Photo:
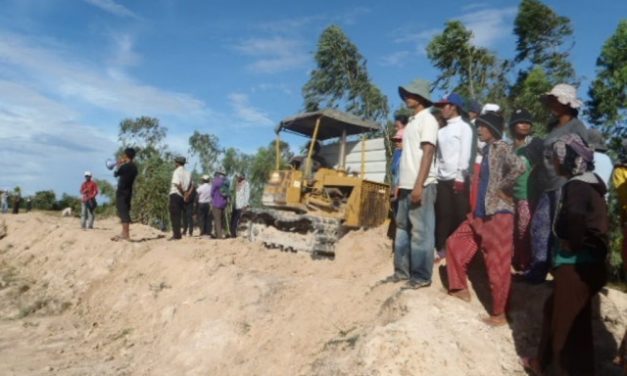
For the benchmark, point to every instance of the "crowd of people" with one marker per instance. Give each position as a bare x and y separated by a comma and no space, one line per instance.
531,206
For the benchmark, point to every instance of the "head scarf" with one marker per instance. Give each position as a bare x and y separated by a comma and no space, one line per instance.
584,154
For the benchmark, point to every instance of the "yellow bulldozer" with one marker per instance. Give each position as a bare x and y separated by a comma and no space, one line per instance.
325,193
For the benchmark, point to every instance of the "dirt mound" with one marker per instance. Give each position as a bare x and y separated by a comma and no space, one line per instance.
75,303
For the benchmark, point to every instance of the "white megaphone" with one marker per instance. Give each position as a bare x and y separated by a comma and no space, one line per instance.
110,164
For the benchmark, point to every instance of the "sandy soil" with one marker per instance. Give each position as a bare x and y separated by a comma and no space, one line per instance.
75,303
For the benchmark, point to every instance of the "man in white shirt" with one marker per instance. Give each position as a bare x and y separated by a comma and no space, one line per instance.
415,217
453,158
181,183
242,197
204,209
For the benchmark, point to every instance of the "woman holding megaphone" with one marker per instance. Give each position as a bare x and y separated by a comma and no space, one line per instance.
126,172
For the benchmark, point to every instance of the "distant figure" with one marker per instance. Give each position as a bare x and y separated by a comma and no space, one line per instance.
317,160
219,200
4,201
29,205
204,206
17,201
180,185
67,212
89,191
242,198
126,172
189,208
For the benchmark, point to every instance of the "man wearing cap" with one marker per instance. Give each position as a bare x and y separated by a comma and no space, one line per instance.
204,202
530,150
413,246
89,191
455,144
181,183
489,228
126,172
603,165
564,105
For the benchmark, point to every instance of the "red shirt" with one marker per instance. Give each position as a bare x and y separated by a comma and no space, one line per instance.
89,190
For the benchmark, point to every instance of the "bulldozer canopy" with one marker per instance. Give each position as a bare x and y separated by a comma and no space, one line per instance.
332,124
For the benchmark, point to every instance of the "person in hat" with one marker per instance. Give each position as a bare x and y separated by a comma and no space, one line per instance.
581,227
126,172
242,201
530,150
603,164
181,186
219,201
489,227
204,206
454,153
564,106
89,191
415,217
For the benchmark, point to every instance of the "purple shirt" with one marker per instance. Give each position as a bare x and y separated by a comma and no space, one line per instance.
217,199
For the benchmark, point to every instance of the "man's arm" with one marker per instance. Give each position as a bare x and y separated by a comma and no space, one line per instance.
466,148
428,150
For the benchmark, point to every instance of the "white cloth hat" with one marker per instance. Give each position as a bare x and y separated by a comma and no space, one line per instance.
205,177
87,173
565,94
490,107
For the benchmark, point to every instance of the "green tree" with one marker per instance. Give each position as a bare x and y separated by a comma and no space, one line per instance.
154,164
236,162
69,201
106,190
465,68
527,95
541,34
44,200
341,79
608,92
206,147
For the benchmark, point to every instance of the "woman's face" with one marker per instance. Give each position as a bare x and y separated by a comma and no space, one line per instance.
556,108
484,133
522,129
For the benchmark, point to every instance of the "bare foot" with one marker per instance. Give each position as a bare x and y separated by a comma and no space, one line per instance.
462,294
495,320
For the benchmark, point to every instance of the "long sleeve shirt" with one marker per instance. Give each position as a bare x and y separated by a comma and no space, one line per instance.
242,196
89,190
454,149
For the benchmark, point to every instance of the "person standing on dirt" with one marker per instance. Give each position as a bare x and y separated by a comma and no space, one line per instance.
180,187
204,206
189,209
581,228
242,198
219,201
17,200
415,217
4,201
126,172
89,191
490,226
455,144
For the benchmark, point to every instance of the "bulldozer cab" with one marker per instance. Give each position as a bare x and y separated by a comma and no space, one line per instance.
321,126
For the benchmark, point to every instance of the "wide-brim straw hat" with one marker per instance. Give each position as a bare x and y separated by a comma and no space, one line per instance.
565,94
417,87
